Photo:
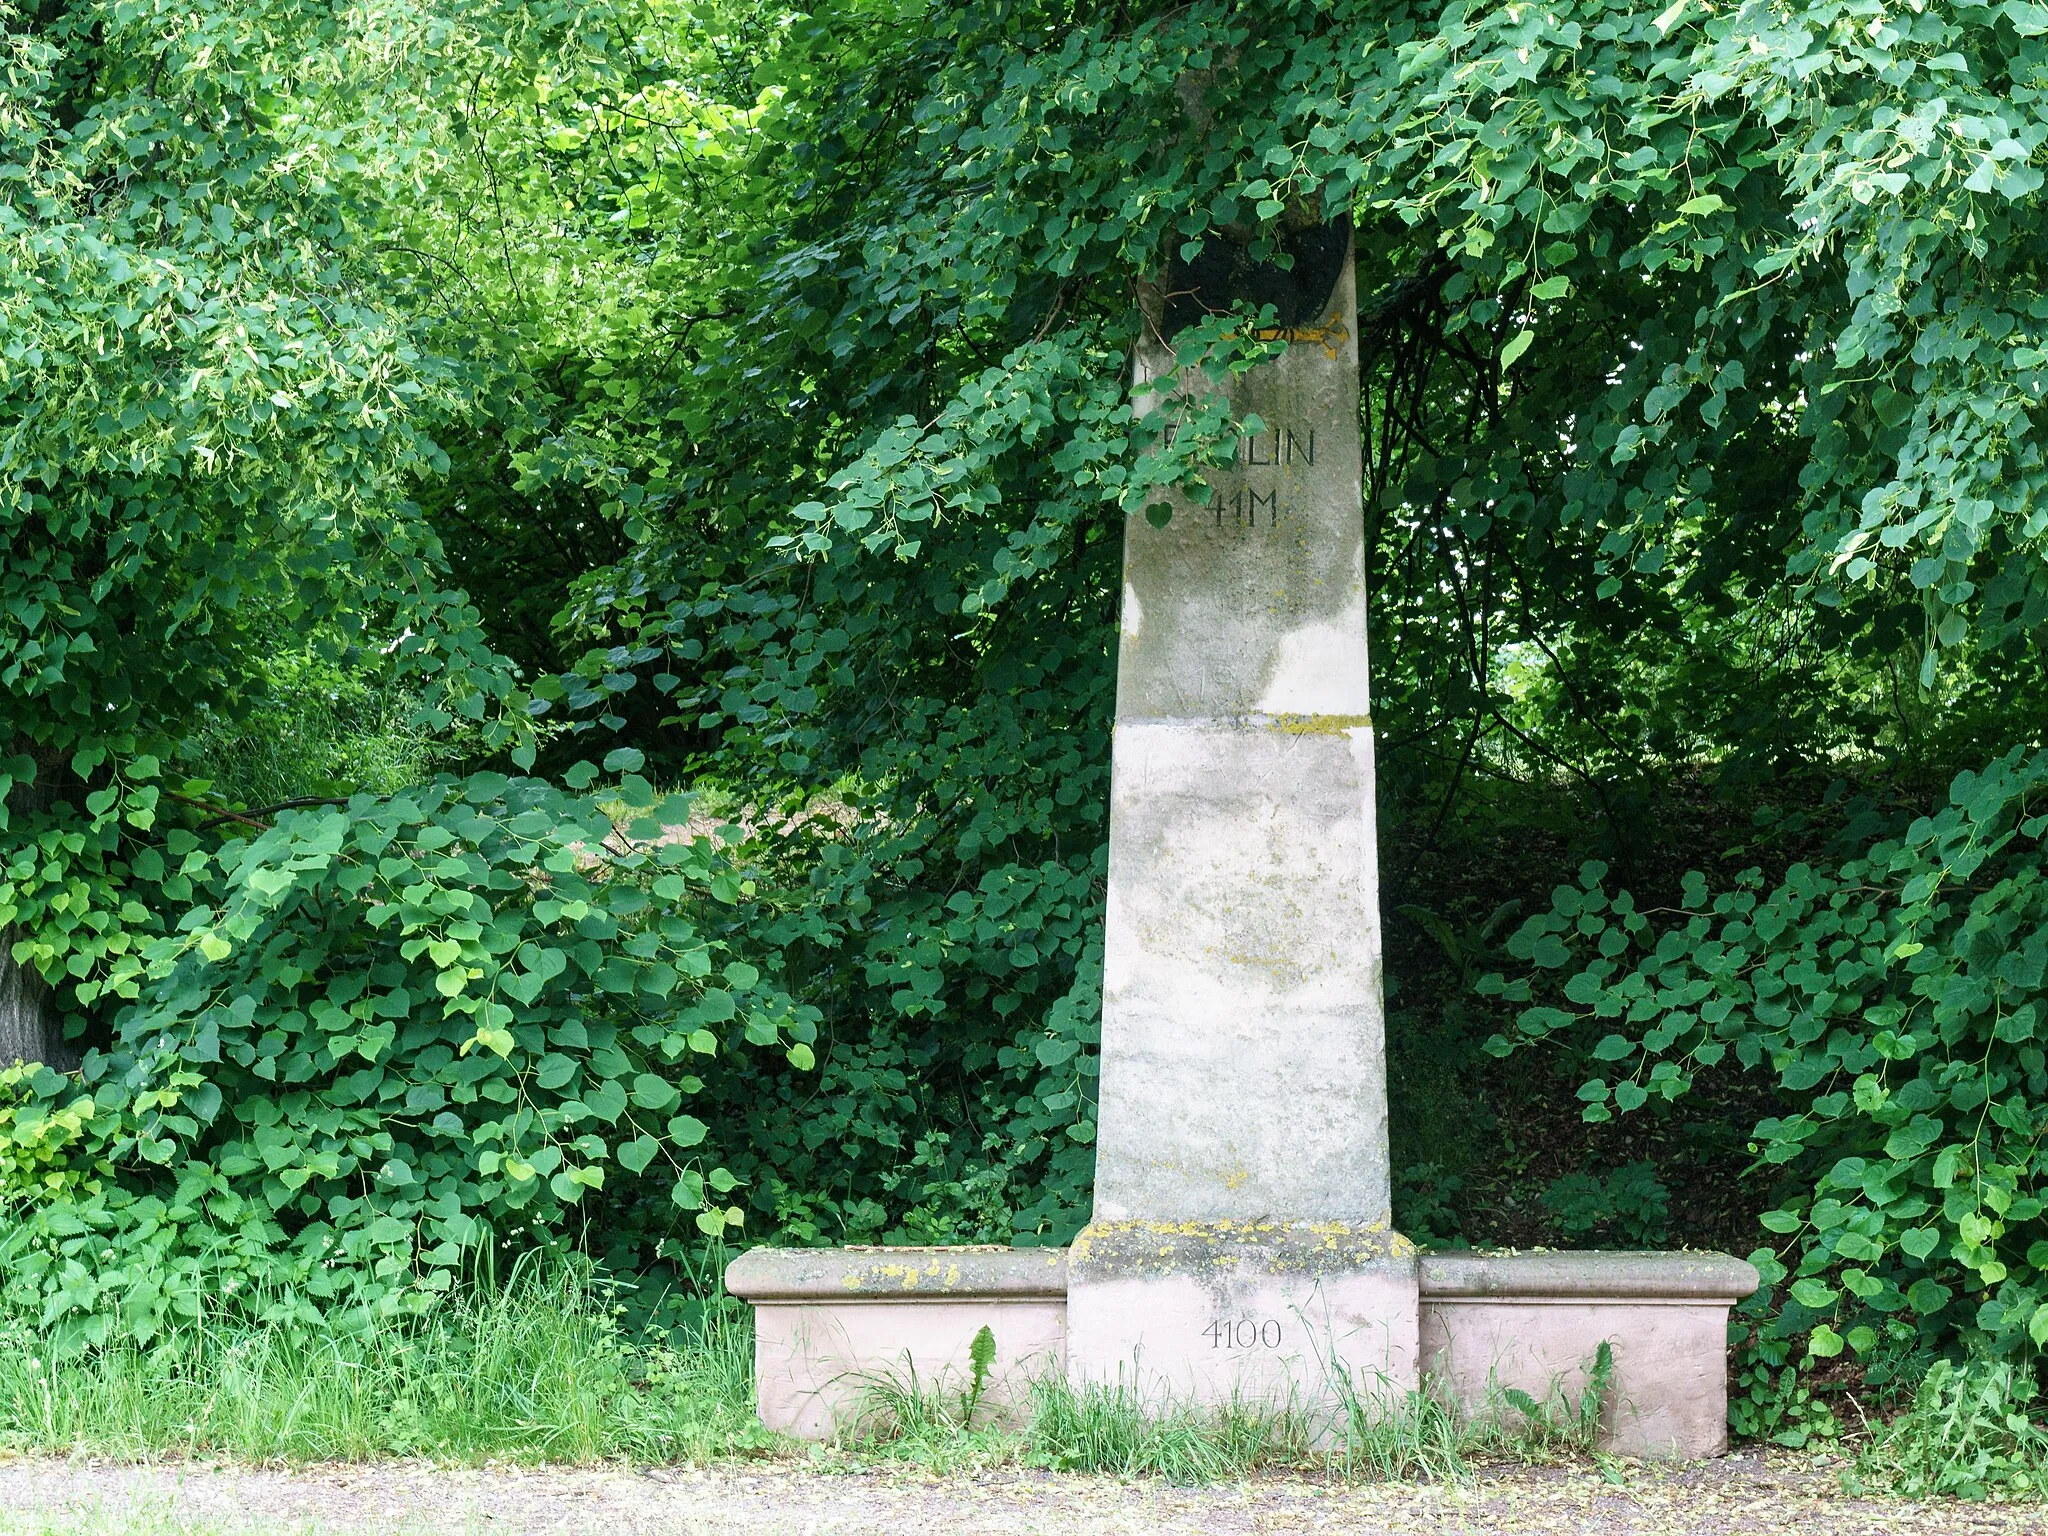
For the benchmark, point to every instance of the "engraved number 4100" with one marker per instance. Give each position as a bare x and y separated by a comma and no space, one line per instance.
1244,1333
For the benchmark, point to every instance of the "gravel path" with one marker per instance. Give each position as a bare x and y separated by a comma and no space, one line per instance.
1742,1496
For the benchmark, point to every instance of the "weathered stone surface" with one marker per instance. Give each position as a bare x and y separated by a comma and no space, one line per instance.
1317,1315
832,1325
1243,1066
1240,1247
1211,1311
1213,1251
809,1274
1571,1273
1536,1321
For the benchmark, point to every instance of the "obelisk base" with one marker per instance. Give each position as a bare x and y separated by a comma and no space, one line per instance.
1319,1318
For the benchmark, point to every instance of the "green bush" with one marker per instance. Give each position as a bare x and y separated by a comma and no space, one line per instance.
1900,1005
391,1038
1630,1204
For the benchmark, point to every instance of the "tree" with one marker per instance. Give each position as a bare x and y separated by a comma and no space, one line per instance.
209,421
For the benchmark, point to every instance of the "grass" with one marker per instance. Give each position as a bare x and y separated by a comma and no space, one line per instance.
538,1371
543,1370
1103,1428
1371,1435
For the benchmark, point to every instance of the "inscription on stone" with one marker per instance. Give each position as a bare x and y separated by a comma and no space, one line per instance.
1246,505
1249,507
1283,445
1244,1333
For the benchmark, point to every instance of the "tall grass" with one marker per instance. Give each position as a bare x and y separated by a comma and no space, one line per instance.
1102,1427
537,1371
322,729
1372,1433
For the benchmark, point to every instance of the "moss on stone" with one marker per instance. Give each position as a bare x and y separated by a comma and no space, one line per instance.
1212,1247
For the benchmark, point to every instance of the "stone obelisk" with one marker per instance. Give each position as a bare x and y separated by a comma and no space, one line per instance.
1241,1243
1240,1250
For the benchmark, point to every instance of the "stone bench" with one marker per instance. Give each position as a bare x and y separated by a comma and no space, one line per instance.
832,1324
1535,1322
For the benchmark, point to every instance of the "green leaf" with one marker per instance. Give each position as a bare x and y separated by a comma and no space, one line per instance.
636,1154
653,1093
2027,18
1926,1296
1813,1293
1516,347
554,1071
1054,1052
607,1101
1919,1241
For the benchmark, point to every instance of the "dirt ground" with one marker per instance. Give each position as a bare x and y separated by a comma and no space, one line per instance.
1734,1497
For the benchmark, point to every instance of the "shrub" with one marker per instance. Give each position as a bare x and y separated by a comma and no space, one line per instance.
1898,1002
391,1037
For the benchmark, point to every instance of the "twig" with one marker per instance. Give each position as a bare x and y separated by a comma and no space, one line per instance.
220,813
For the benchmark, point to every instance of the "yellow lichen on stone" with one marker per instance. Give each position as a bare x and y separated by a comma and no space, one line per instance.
1320,725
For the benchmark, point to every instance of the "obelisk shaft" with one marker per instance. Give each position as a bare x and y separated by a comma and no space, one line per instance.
1243,1067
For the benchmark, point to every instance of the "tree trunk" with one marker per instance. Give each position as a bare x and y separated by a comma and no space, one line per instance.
30,1029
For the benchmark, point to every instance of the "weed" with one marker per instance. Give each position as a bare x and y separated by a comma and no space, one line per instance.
901,1416
1099,1427
981,1355
1533,1429
1969,1433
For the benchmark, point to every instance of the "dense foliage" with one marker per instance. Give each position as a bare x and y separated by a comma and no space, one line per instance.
740,397
391,1033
